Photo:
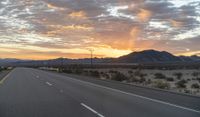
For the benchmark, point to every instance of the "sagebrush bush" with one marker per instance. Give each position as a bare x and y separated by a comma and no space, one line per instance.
161,84
181,84
195,86
95,74
118,77
178,75
170,79
159,76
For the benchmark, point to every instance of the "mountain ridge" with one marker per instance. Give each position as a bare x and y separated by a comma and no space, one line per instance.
145,56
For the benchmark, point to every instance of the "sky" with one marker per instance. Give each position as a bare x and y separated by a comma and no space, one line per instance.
46,29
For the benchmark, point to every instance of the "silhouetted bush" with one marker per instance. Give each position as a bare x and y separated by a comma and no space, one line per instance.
187,91
118,77
178,75
69,71
130,72
134,79
149,81
85,72
170,79
159,76
195,86
141,80
181,84
95,74
78,71
195,74
111,71
161,84
105,75
198,79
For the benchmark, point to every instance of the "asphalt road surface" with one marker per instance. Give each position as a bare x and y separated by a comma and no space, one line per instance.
27,92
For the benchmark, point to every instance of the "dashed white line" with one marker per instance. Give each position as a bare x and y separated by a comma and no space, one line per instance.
139,96
61,91
92,110
48,83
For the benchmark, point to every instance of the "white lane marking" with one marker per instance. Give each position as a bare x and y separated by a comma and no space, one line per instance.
1,82
89,108
48,83
61,91
37,76
139,96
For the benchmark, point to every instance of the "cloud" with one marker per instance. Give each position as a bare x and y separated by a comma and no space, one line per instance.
78,15
120,25
144,15
175,23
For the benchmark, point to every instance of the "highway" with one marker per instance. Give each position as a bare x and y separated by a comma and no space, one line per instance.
27,92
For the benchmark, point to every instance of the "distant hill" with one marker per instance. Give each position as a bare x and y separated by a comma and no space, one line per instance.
8,60
193,58
148,56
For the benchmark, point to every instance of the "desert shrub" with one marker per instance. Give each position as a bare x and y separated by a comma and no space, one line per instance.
105,75
137,73
111,71
134,79
195,86
161,84
188,79
195,74
198,79
69,71
118,77
170,79
130,72
60,70
95,73
86,72
141,80
141,75
159,76
187,91
149,81
78,71
181,84
178,75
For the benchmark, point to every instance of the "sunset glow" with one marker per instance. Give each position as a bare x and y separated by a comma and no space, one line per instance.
46,29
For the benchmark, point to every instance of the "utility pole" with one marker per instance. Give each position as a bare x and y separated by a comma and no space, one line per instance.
91,59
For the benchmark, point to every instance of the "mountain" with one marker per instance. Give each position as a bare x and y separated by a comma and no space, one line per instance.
193,58
148,56
8,60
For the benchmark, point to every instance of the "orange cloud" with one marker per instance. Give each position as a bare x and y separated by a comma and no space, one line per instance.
175,23
51,6
189,53
59,29
73,27
78,27
78,15
144,15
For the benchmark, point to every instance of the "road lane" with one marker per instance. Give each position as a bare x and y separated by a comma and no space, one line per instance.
21,95
112,103
35,93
